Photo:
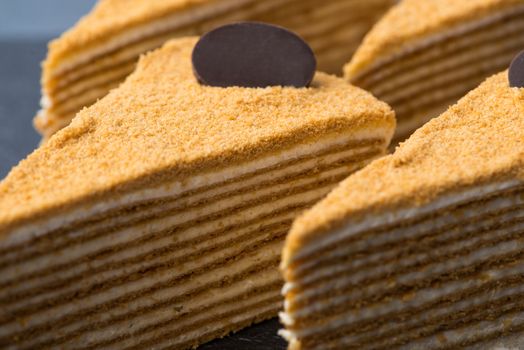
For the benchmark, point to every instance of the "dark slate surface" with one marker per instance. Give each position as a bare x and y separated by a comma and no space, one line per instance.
19,96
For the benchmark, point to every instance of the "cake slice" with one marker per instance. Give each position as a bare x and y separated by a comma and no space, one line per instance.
157,218
423,55
422,249
102,49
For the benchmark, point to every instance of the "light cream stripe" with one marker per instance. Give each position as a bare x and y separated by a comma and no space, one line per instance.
477,56
428,270
53,315
177,188
189,312
417,300
177,218
436,39
468,200
425,89
475,226
482,37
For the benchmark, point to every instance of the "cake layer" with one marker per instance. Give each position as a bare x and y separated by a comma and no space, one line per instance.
151,292
181,315
338,165
364,287
335,296
88,73
80,82
79,214
433,89
475,62
435,62
412,314
422,249
109,256
426,76
483,307
211,203
337,264
289,13
453,35
499,208
378,226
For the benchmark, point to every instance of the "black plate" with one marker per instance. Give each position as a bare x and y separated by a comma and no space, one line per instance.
19,96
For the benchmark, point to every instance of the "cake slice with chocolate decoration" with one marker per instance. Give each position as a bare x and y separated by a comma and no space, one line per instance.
422,249
103,47
157,218
423,55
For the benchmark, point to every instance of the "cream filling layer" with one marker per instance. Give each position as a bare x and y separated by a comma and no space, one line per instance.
486,328
373,222
74,92
65,103
476,60
176,188
417,322
420,298
179,315
430,270
430,86
433,40
310,24
478,228
161,286
486,37
175,20
72,97
227,196
127,236
456,89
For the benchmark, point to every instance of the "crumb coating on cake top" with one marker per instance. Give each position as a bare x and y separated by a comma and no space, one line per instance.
108,18
161,124
413,20
477,141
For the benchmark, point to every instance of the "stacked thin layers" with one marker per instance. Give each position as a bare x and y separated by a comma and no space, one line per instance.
422,249
425,54
158,216
102,49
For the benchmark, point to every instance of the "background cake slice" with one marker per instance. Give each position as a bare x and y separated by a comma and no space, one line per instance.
157,217
102,49
423,55
422,249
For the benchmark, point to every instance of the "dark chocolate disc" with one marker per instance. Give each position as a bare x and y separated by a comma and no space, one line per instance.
251,54
516,71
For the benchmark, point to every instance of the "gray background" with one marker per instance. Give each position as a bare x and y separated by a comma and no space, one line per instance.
25,28
33,19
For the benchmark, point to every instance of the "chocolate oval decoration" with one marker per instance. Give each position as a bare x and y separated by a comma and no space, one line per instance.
252,54
516,71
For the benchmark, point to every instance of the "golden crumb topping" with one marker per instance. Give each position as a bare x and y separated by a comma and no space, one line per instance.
412,20
479,140
162,124
110,17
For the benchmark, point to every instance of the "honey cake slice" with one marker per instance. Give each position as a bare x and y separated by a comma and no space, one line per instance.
424,55
96,55
157,217
421,249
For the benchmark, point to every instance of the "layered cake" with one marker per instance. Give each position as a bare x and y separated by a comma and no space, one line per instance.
157,217
102,49
422,249
426,54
